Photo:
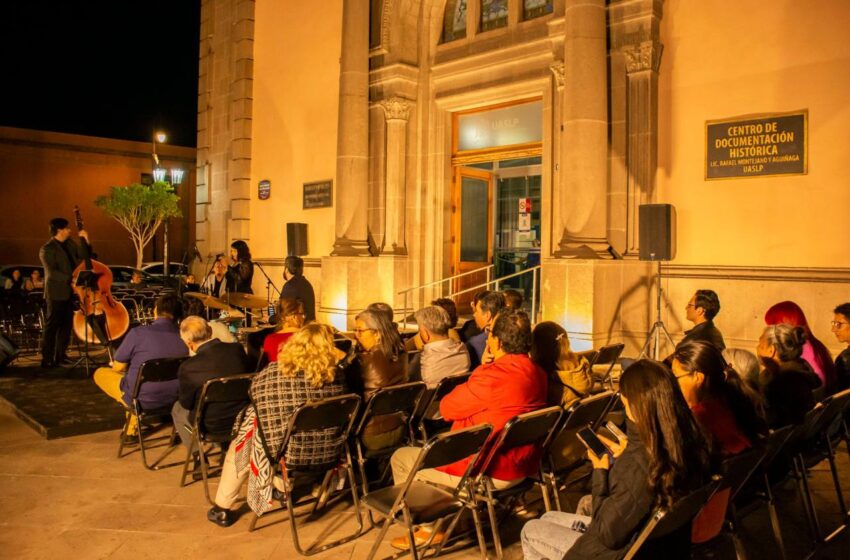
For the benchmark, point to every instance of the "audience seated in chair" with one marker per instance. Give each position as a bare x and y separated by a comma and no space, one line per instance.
569,375
381,362
160,339
291,315
746,364
305,371
496,392
415,342
787,381
814,351
664,458
726,409
486,306
513,299
210,358
192,306
441,356
841,330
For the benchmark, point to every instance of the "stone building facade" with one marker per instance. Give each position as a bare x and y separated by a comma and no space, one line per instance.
369,94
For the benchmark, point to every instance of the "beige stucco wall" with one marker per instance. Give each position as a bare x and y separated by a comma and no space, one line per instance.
296,95
722,59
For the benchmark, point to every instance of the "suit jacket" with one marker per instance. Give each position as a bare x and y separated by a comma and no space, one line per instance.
299,288
58,269
214,359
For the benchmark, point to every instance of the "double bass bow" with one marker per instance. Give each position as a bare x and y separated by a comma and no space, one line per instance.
92,282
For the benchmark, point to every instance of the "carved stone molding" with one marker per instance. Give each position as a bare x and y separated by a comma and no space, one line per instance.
557,69
642,57
396,108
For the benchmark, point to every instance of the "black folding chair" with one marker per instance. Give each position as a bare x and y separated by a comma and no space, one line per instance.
152,371
431,422
816,445
335,413
216,393
532,428
605,356
398,400
735,472
566,453
664,522
422,502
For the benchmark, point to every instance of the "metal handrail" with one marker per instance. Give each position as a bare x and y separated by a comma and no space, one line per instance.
435,282
534,270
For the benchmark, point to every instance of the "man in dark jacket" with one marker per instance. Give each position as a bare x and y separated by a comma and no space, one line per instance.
701,310
297,287
59,256
211,358
841,330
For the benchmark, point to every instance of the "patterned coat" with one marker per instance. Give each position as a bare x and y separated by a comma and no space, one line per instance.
275,398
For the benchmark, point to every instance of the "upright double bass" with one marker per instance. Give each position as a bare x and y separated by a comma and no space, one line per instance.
99,311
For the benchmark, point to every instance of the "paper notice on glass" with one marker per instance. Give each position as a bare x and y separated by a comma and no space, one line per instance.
524,222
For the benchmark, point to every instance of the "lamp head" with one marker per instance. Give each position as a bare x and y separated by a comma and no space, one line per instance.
160,137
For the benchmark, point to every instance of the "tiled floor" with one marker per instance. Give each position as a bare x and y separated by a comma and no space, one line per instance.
71,498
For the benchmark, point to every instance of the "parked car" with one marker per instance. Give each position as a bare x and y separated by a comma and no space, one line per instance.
121,276
174,268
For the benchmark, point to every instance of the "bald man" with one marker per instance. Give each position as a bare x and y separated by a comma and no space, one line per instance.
210,358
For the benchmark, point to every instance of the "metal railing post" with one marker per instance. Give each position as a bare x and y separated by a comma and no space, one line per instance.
534,296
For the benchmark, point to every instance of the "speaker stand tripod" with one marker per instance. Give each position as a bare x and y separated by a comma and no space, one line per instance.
658,327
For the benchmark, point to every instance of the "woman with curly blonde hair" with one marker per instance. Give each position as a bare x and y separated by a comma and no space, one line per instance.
306,370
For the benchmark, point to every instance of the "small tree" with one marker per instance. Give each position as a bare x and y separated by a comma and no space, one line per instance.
141,209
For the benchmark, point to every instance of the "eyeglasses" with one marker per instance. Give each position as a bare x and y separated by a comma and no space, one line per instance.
358,331
837,324
691,305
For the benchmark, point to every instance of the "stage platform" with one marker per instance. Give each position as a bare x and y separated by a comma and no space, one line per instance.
57,403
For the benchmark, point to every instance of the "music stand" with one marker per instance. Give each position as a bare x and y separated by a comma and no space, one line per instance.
87,279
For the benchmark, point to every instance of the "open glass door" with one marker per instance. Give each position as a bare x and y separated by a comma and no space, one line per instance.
472,228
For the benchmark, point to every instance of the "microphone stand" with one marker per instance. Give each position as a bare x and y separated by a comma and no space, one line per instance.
269,285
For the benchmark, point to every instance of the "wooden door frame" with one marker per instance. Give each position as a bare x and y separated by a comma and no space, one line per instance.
482,174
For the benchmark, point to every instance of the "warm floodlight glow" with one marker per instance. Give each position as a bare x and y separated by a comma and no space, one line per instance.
160,137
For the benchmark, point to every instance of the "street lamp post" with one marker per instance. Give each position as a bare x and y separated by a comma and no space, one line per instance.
176,177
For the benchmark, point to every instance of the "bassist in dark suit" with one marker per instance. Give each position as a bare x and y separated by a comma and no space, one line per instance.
59,256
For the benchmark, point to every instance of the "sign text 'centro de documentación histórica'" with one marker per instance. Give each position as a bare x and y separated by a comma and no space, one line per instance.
757,146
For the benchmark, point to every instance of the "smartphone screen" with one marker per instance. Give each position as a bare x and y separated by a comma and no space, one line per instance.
592,442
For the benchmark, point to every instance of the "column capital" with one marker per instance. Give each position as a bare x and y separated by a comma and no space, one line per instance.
557,69
643,56
396,108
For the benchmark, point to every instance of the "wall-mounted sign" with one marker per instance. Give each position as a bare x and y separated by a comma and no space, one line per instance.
524,205
506,126
318,194
264,190
757,146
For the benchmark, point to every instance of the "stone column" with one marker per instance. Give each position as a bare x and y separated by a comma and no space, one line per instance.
642,125
557,219
352,168
396,111
584,140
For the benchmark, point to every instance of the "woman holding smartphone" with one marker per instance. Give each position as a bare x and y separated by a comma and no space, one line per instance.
664,458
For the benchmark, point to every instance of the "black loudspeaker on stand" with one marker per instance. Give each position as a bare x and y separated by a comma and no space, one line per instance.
296,239
657,237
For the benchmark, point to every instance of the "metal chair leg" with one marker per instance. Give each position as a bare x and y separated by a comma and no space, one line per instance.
806,497
186,464
774,518
387,522
479,532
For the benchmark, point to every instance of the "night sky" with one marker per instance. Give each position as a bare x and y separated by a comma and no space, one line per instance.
117,68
